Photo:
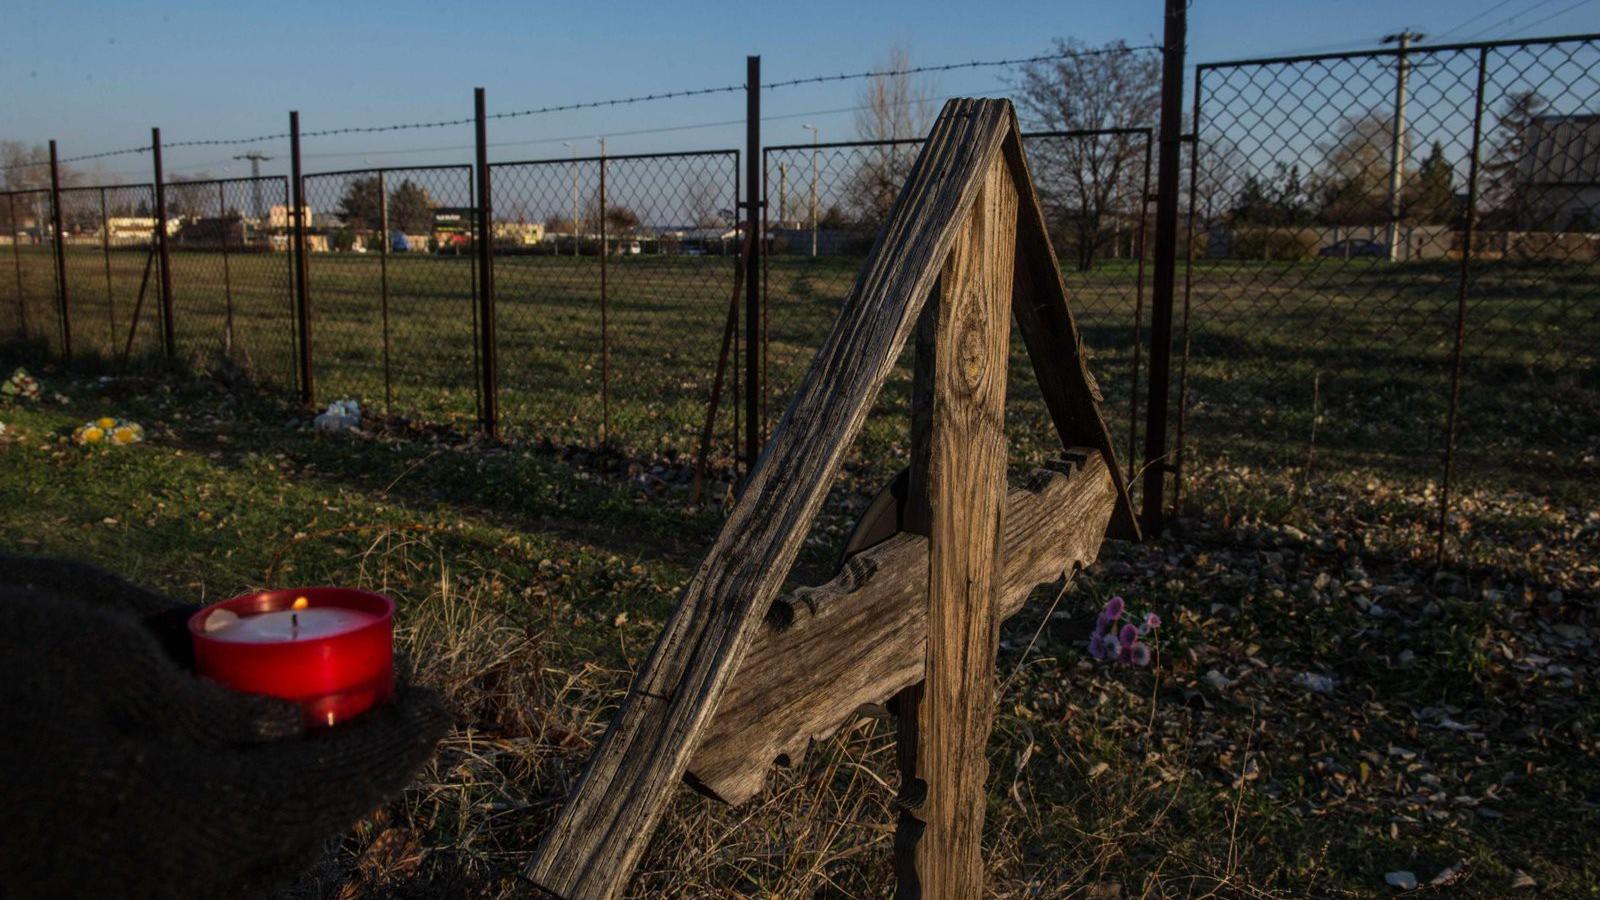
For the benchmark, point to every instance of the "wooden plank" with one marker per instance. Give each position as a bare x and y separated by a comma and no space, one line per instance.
966,492
1055,346
596,840
860,639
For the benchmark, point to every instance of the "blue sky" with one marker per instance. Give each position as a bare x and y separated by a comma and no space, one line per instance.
96,76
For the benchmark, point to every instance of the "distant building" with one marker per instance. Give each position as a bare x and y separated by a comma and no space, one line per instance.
1559,173
524,234
281,216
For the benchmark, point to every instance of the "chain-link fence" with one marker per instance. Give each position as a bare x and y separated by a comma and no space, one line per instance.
612,283
228,250
392,285
1366,228
825,203
108,248
33,312
1390,253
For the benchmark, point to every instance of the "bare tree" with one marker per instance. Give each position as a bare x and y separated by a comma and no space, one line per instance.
703,202
1091,183
895,105
1353,185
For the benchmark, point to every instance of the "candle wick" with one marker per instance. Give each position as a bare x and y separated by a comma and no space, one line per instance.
294,621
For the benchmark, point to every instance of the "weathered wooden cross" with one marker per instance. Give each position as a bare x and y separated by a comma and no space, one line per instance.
740,676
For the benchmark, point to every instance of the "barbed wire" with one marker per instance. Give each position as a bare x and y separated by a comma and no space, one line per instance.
950,67
598,104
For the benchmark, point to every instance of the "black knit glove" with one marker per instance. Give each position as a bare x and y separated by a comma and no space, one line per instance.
126,775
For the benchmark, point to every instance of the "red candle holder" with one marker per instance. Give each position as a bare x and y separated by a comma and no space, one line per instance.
328,649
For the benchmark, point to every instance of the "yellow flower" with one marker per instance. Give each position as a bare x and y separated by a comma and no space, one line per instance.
106,422
126,434
91,434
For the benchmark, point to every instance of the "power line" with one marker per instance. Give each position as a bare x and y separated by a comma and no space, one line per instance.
1508,19
1560,12
1489,11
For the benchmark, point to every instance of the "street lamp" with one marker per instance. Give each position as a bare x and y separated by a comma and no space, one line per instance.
574,166
816,137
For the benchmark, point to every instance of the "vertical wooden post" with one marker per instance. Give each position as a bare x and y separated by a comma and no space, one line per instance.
939,845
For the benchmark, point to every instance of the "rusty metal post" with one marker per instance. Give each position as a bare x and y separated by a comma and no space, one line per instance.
755,207
61,255
302,296
1468,229
485,266
105,252
605,320
16,259
1155,436
1138,310
1188,294
227,275
383,284
169,337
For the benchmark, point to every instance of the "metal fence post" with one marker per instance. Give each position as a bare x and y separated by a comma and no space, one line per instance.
383,285
605,311
227,275
302,296
755,204
60,254
16,259
105,250
1155,435
485,267
1138,308
168,336
1468,230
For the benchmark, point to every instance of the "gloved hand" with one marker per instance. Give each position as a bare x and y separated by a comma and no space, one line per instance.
124,774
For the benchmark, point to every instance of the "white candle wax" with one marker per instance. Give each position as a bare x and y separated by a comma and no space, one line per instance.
285,625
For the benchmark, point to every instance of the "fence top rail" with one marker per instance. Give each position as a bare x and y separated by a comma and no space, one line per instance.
144,185
373,170
613,157
1145,130
23,192
212,182
1396,51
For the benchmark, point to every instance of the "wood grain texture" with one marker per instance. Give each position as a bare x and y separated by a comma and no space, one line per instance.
861,638
966,491
1055,345
596,840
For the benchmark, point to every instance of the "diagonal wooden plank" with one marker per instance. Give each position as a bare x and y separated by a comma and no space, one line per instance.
597,839
1055,346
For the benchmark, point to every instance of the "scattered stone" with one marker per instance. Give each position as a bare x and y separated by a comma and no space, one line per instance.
1402,879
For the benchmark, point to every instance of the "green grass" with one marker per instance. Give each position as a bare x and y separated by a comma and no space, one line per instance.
1354,352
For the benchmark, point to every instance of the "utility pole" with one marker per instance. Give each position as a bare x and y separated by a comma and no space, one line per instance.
816,136
256,158
1397,137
